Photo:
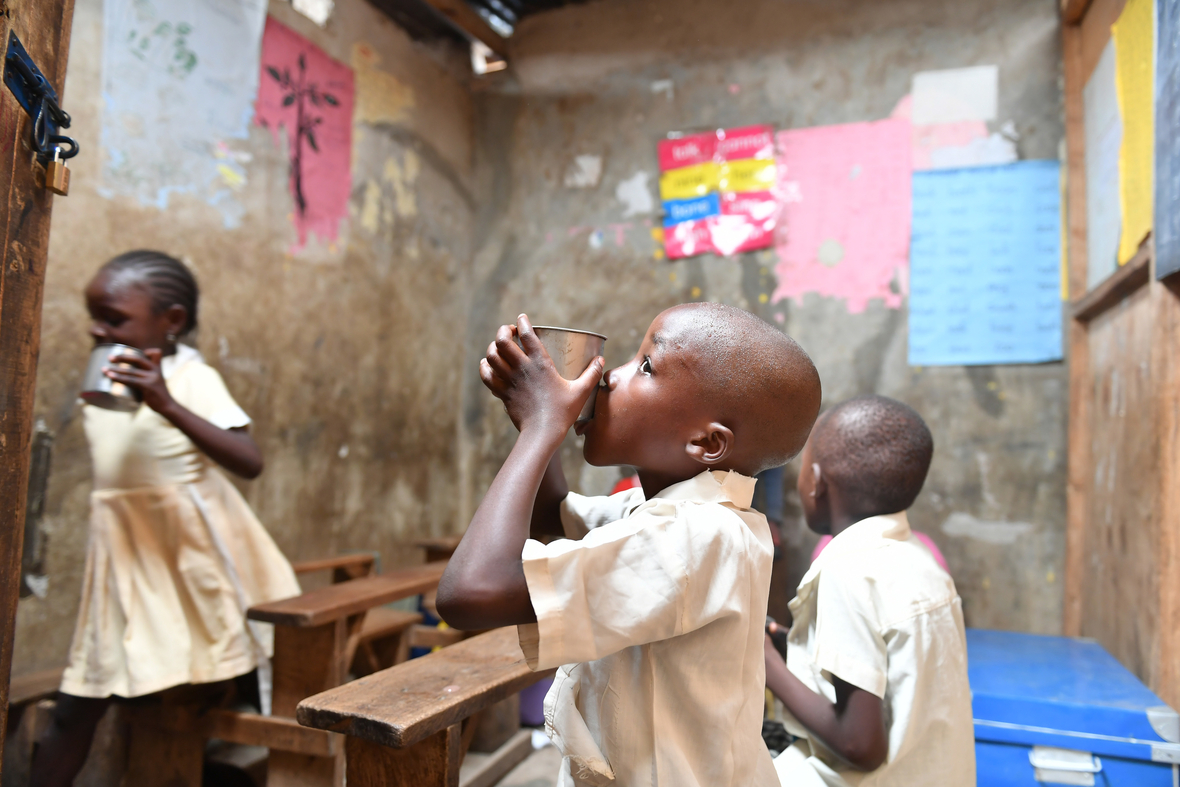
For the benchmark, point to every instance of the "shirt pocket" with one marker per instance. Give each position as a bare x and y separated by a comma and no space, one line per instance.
570,733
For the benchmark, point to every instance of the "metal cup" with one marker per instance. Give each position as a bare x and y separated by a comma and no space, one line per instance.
100,390
572,351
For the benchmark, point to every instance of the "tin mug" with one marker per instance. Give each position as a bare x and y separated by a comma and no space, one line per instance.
572,351
100,390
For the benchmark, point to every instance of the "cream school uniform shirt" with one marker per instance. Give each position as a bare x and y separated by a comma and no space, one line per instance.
654,611
876,610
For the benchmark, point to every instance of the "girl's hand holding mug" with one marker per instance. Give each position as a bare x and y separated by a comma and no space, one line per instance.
143,374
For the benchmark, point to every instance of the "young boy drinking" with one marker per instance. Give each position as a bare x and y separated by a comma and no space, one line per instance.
876,669
655,601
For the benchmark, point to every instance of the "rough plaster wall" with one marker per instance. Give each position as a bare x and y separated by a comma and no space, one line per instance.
581,83
345,355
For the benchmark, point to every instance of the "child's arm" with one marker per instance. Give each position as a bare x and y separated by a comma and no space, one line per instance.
547,506
233,449
484,584
853,728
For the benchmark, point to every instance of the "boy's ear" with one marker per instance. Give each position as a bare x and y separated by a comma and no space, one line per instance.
711,445
820,489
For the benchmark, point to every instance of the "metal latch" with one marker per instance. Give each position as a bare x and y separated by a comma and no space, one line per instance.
38,98
1064,766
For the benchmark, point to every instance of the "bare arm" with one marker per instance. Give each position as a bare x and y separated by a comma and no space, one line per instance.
853,728
484,585
233,449
547,507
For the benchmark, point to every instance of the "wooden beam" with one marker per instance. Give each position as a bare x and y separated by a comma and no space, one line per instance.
345,599
1165,380
43,26
403,705
471,24
1078,457
1072,11
1124,281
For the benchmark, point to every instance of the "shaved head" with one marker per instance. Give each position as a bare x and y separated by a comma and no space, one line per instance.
758,379
876,451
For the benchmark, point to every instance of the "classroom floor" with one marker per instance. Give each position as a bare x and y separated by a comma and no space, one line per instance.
538,770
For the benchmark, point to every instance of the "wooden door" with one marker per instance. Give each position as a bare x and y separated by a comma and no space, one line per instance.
1123,522
43,26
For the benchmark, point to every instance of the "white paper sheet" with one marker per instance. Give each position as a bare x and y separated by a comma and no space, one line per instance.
1104,136
955,94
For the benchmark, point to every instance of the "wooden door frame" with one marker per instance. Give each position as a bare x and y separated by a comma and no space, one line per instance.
1082,36
43,26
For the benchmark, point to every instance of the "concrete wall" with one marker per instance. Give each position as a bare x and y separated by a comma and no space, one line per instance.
582,83
359,363
345,357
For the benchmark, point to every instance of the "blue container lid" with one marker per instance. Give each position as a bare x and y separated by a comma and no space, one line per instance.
1025,685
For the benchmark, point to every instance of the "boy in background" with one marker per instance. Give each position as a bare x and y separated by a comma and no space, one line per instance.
876,670
654,603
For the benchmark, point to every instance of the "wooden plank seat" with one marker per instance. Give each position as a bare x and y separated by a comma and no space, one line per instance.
404,725
315,640
343,567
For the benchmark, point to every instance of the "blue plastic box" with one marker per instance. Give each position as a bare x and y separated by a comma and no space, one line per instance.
1066,706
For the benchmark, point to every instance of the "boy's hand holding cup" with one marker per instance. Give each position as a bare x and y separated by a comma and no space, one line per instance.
524,377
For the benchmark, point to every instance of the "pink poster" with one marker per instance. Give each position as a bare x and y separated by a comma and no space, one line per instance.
310,94
844,192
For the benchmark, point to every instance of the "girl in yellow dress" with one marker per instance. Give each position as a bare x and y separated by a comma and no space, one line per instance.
175,555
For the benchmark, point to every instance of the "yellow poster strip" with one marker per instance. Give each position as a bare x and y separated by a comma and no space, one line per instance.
1133,35
688,182
748,174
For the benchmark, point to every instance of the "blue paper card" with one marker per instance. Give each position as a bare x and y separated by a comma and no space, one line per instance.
1167,139
985,266
680,210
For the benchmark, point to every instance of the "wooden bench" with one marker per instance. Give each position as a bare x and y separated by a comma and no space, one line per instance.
316,638
343,567
405,725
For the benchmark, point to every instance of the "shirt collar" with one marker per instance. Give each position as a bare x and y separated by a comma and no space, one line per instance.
865,534
714,486
171,363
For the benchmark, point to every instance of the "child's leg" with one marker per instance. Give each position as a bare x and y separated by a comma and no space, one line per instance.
62,748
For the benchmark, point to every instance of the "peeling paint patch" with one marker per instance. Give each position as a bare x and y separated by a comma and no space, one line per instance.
635,195
584,172
402,177
371,207
380,96
963,525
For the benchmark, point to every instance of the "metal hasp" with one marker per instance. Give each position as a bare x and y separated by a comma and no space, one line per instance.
38,98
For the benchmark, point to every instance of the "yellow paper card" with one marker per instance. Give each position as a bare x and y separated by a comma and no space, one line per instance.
688,182
1133,35
748,174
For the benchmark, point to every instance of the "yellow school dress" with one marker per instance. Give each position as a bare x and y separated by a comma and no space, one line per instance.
175,554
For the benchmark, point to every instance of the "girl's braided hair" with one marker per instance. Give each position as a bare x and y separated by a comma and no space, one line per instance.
168,279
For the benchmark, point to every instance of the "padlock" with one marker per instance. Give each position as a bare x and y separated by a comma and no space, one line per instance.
57,174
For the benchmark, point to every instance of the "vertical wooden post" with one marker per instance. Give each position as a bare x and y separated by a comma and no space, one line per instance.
1166,380
43,26
432,763
1077,501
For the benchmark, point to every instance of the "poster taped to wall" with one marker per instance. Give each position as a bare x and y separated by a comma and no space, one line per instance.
178,82
985,268
717,191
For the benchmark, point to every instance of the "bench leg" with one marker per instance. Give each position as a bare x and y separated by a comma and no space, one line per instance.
432,763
